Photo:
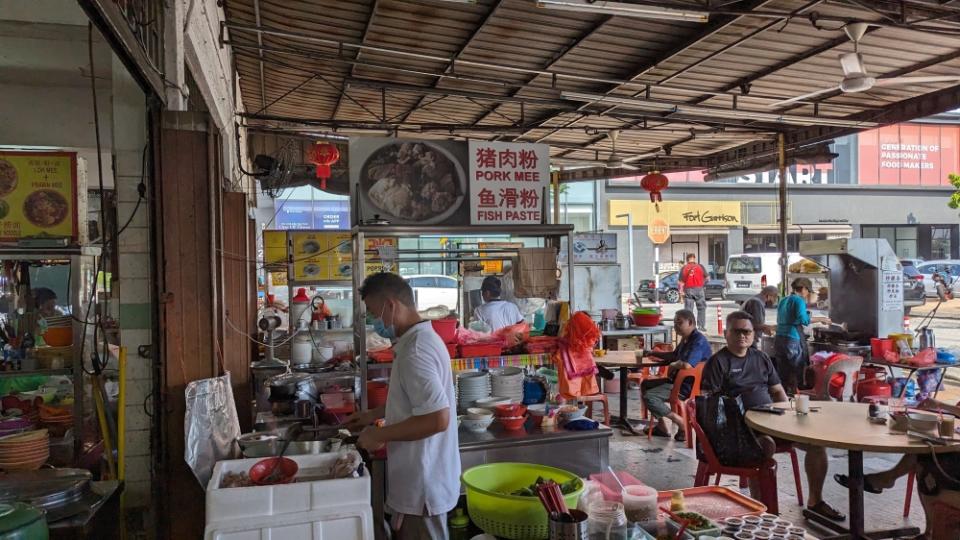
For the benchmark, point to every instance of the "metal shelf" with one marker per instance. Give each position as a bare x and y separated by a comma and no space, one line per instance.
30,372
463,230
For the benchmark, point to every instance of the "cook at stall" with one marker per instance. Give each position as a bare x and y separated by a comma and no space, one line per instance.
420,425
790,345
496,312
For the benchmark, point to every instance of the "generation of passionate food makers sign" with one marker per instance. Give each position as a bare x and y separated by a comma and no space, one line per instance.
428,182
38,195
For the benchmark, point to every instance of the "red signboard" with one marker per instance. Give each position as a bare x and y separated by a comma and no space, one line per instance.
908,155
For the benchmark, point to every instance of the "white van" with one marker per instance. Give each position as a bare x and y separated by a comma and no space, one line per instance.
747,273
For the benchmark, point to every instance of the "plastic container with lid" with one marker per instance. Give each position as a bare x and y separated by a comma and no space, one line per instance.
300,314
606,521
640,503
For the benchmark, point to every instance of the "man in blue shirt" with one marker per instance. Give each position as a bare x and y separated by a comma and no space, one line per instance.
693,349
790,345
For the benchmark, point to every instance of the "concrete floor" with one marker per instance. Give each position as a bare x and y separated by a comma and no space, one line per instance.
664,464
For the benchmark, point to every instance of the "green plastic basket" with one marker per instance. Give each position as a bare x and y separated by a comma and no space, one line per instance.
510,516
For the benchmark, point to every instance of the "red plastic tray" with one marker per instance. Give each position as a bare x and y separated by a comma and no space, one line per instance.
715,502
474,351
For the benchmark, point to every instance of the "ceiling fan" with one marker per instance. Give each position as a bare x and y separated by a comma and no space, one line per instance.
855,76
615,161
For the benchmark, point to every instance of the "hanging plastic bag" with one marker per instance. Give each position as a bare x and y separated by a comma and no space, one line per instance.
210,425
722,420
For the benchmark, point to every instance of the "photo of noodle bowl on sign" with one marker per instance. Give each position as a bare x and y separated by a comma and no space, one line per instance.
38,195
408,181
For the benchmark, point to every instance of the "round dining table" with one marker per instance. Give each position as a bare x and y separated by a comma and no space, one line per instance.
845,426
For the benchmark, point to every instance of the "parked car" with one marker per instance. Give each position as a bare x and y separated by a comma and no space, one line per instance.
670,288
747,273
913,291
948,268
435,290
911,262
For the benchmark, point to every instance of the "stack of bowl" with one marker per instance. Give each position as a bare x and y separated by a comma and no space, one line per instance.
24,451
59,331
511,416
472,385
477,420
507,382
56,419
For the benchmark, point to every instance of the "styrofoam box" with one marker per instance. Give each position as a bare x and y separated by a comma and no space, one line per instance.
347,523
284,499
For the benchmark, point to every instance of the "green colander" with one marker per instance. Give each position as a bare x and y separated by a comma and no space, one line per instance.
510,516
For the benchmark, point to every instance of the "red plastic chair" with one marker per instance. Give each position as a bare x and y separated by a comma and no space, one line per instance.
678,405
765,473
602,398
911,478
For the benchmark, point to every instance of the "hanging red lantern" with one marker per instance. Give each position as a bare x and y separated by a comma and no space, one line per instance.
324,155
655,183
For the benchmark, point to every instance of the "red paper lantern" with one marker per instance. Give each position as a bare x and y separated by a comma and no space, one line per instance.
655,183
324,155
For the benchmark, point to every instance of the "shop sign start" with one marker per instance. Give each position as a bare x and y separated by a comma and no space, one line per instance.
507,182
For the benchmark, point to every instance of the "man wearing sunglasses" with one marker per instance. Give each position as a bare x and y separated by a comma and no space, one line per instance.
740,369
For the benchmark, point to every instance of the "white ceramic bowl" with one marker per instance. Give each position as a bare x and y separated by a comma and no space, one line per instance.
919,421
477,425
477,413
573,415
537,409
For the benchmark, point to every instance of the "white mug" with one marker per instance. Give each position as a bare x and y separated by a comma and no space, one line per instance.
802,403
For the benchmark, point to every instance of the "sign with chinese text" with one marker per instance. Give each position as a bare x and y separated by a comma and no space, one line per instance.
38,195
507,182
591,248
384,260
495,266
321,256
658,230
678,213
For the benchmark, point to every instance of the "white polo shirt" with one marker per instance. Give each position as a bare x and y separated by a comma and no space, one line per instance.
498,314
423,477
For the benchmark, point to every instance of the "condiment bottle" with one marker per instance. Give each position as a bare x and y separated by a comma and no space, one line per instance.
676,501
606,521
459,524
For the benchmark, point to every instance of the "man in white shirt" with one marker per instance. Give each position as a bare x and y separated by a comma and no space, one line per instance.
420,428
494,311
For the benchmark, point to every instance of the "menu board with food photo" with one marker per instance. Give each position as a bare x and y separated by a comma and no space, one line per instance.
406,181
38,195
321,256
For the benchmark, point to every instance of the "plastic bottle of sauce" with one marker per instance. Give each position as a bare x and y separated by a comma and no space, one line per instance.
676,502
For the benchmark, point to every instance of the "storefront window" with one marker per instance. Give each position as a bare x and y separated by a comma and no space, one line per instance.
903,240
577,205
940,243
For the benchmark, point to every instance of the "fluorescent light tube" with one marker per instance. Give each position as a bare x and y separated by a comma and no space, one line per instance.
626,10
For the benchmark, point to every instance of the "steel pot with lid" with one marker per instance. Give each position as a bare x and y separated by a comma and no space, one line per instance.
622,322
291,387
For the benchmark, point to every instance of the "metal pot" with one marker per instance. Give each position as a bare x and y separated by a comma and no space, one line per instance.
291,387
258,444
622,322
926,338
607,324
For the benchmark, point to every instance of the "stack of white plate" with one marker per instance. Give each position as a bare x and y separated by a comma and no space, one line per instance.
508,383
472,385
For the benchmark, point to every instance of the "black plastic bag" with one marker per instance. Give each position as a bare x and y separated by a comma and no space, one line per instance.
722,420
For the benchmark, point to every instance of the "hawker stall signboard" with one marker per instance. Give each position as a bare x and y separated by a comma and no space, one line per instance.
507,182
321,256
38,195
409,181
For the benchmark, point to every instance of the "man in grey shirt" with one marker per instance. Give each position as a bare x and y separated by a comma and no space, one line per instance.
756,307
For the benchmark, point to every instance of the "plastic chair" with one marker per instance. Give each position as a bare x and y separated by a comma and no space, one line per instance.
601,397
677,405
911,478
849,367
765,473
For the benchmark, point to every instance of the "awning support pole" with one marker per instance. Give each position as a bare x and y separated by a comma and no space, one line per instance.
556,198
782,187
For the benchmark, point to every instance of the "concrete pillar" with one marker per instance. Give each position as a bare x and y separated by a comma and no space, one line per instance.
734,241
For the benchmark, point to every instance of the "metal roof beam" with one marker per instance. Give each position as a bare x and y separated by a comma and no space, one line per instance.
353,67
917,107
451,65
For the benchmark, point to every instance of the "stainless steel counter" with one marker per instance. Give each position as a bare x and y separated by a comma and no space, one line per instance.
580,452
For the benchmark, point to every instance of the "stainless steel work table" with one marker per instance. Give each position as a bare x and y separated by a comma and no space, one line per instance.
580,452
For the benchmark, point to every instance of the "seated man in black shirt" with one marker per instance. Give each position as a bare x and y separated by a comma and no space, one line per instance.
739,369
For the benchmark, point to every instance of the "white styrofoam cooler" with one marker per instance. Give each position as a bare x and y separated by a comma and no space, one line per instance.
321,509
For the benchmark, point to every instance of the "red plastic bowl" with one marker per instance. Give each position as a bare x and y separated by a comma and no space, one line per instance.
262,469
446,328
512,424
646,320
511,410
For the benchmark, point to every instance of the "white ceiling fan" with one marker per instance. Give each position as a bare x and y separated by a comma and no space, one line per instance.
615,161
855,76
